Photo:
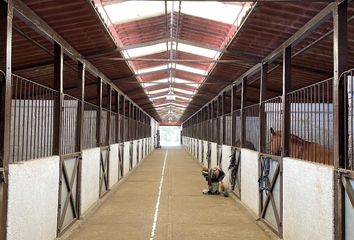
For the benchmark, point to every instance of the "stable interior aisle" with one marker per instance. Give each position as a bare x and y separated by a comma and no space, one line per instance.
182,213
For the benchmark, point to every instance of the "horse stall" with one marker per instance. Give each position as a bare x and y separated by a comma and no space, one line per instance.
270,181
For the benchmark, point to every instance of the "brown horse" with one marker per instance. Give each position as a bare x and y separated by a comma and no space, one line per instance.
300,148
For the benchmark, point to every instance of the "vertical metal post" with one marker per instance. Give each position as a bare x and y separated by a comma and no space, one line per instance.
6,16
243,118
109,115
58,103
129,121
285,102
340,55
233,108
340,61
262,114
81,107
118,122
57,114
223,100
99,112
124,127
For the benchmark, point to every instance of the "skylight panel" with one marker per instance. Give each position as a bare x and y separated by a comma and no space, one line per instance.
183,91
164,80
183,98
146,50
152,69
194,85
197,50
158,91
216,11
180,80
191,69
134,10
156,98
149,84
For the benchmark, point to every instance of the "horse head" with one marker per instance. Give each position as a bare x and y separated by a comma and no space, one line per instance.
275,142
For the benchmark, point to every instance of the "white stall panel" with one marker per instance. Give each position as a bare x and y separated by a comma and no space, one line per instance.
308,200
90,177
249,179
113,165
33,199
126,158
225,162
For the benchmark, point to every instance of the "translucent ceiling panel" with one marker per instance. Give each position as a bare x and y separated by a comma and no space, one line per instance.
191,69
159,91
183,91
197,50
134,10
147,50
216,11
152,69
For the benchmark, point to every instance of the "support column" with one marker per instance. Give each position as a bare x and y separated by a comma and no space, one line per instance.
6,16
262,113
233,108
285,101
243,105
81,107
58,103
99,112
118,138
340,61
109,115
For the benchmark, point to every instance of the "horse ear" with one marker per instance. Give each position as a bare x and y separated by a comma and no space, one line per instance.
272,131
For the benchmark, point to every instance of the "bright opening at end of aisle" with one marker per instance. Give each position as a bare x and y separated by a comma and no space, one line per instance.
170,135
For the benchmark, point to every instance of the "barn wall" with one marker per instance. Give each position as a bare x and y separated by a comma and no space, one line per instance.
308,194
113,165
249,179
90,178
33,199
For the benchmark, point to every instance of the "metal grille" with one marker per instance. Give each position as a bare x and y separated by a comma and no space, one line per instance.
32,109
71,106
273,125
251,115
90,120
104,123
236,128
312,123
113,128
227,129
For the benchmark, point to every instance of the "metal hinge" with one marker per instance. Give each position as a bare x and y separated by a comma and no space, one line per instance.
3,175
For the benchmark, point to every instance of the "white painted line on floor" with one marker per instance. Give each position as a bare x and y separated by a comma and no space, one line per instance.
154,224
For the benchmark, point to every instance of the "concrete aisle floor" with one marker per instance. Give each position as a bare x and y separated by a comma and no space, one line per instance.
184,213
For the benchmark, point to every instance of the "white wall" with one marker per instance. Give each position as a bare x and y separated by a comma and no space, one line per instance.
205,153
308,200
249,179
135,155
126,158
33,199
213,154
90,178
113,165
141,149
200,143
225,162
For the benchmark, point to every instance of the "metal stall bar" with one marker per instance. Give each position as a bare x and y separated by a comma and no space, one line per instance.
262,98
6,16
340,55
243,105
